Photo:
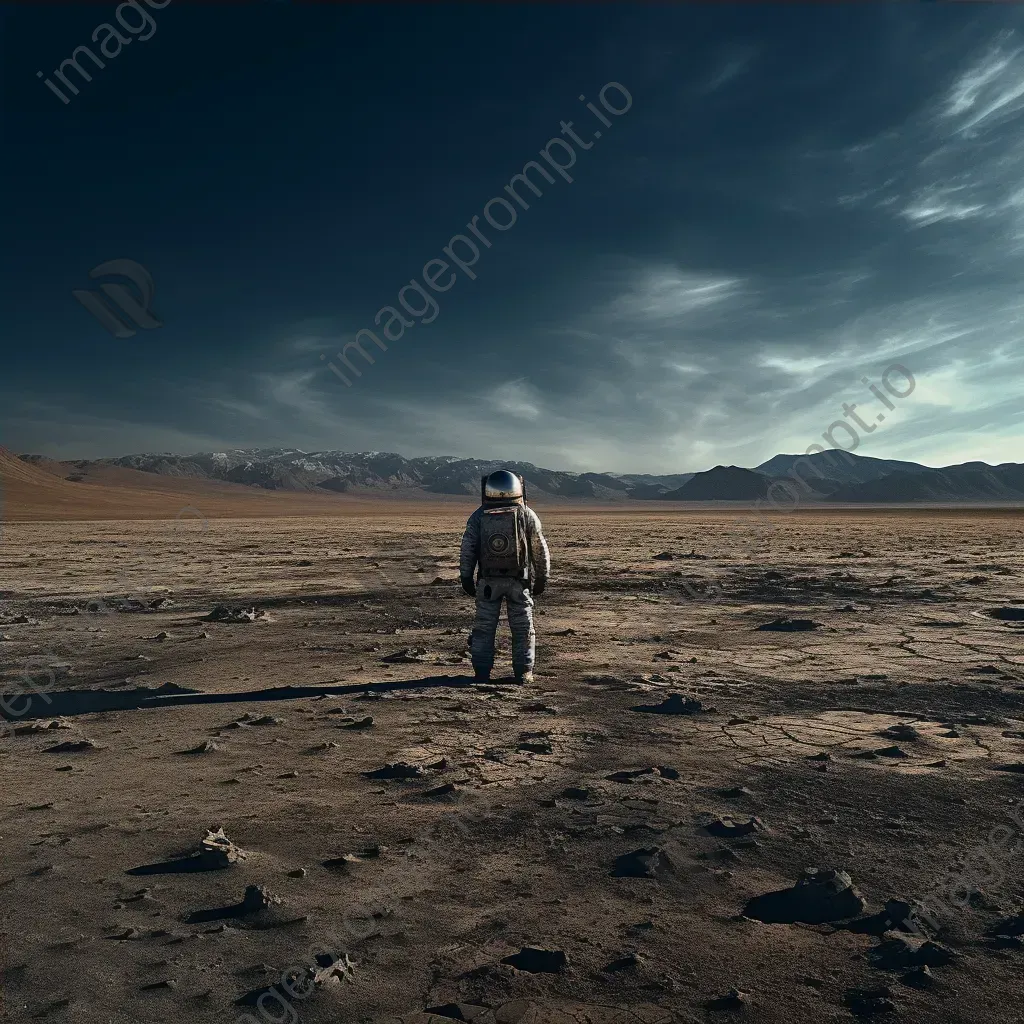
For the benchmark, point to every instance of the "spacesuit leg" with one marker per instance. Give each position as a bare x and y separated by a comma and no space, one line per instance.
481,640
520,620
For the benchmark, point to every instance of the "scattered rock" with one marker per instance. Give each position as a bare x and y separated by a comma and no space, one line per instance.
460,1011
438,791
575,793
785,625
919,977
674,704
820,896
217,851
727,828
224,614
206,747
893,751
73,747
734,999
414,655
869,1002
537,961
1008,614
400,770
901,954
903,731
359,723
623,963
648,862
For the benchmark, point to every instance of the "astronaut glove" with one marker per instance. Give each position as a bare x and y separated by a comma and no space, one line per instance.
467,585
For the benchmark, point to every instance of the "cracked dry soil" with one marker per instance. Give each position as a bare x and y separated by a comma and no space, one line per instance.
425,849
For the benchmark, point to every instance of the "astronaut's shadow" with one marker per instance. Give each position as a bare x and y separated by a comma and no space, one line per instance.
68,703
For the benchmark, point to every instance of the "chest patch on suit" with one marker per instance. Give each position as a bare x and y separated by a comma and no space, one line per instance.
503,550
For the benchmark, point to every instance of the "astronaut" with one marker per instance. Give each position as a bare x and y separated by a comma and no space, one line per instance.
503,537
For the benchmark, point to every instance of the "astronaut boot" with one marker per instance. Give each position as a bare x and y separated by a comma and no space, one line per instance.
525,678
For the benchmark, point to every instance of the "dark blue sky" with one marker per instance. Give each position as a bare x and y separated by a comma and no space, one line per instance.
796,198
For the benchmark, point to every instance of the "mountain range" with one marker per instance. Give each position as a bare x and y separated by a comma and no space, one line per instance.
785,480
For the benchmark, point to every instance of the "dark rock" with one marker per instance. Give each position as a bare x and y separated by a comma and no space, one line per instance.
459,1011
869,1002
648,862
537,961
575,793
727,828
818,897
401,770
623,963
786,625
674,704
735,999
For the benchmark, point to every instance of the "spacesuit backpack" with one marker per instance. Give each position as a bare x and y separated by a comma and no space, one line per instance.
504,548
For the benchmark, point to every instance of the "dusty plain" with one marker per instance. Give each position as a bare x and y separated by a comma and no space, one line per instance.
519,801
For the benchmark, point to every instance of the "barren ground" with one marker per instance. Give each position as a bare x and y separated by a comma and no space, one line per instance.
507,833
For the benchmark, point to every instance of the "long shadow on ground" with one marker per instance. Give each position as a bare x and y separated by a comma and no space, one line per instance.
82,702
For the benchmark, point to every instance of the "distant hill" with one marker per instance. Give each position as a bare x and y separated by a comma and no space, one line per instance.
832,476
955,483
723,483
834,468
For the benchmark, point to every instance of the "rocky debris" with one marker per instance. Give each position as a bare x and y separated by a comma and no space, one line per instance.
869,1002
160,603
257,898
535,743
786,625
34,727
920,978
735,793
647,862
358,723
409,655
266,720
727,828
1010,928
217,851
448,789
222,613
19,620
73,747
325,970
461,1011
1007,614
575,793
1016,767
537,961
623,963
350,860
820,896
892,751
901,953
734,999
629,775
663,556
206,747
399,770
674,704
903,731
896,915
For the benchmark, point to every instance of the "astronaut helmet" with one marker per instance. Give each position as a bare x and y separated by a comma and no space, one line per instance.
502,487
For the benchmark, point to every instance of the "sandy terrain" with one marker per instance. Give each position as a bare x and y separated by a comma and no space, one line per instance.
880,741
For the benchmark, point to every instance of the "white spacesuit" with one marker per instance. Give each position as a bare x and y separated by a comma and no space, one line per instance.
503,537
